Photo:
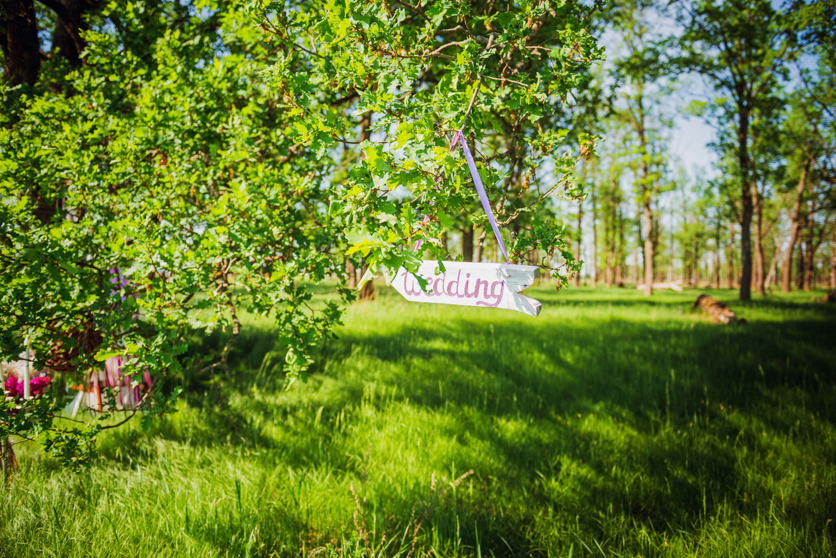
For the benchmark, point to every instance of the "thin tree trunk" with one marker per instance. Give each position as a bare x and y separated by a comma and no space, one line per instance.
758,275
833,258
647,215
351,272
367,290
800,259
594,239
695,266
716,274
671,273
467,243
580,229
619,258
746,202
810,254
795,225
730,258
480,242
773,268
640,245
609,242
649,245
579,241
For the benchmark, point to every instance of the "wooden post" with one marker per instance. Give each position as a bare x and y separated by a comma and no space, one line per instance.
26,393
4,443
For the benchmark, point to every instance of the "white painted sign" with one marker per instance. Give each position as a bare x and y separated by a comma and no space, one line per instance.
489,285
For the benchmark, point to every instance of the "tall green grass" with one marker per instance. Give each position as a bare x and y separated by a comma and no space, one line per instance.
611,425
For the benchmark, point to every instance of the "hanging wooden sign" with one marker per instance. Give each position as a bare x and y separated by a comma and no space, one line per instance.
487,285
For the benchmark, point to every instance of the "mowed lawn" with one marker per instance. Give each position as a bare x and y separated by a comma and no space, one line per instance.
611,425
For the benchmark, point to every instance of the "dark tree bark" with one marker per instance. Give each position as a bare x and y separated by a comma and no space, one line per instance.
746,202
730,258
759,271
640,245
795,227
579,241
833,258
480,244
649,244
594,239
619,257
21,47
799,279
467,243
609,243
715,275
810,255
66,38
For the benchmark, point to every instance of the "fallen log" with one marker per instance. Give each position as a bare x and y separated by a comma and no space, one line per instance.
719,312
674,286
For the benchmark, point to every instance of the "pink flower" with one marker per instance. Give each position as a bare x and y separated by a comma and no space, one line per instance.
13,387
37,386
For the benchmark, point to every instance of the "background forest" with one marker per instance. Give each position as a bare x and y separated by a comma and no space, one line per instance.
200,202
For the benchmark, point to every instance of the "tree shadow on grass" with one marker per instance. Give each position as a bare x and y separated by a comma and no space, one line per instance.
636,419
670,387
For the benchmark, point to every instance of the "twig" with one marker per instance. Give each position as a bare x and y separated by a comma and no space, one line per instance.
470,105
504,79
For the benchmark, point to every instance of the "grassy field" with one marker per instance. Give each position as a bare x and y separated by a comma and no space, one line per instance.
611,425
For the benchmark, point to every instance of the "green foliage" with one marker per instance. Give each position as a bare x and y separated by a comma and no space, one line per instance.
417,73
172,166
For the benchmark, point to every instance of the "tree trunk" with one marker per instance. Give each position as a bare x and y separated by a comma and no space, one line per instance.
480,243
795,220
801,259
640,245
695,266
671,273
773,268
66,38
367,290
467,243
351,273
649,245
619,257
810,254
580,240
758,275
730,258
746,202
609,243
833,258
717,252
21,47
594,240
648,248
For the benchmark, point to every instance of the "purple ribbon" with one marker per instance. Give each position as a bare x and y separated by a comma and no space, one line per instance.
483,197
